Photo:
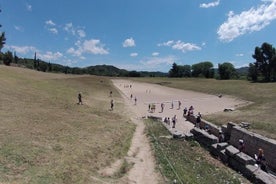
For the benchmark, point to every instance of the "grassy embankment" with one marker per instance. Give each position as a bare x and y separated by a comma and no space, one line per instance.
45,137
260,114
186,161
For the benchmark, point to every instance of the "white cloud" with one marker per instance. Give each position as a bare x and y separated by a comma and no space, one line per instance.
19,28
69,28
74,52
29,7
53,30
168,43
157,61
50,23
129,42
22,49
49,56
155,54
94,47
88,46
81,33
209,5
50,26
248,21
134,54
239,55
179,45
75,31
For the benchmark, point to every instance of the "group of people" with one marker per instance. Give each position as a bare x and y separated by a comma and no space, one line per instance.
110,95
168,121
259,157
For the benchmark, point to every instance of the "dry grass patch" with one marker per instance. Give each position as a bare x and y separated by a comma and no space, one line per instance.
45,137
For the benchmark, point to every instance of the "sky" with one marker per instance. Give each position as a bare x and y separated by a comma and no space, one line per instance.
141,35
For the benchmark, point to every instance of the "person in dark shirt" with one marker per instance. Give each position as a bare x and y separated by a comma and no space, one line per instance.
80,98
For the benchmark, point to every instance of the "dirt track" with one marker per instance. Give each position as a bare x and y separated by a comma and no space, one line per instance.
143,170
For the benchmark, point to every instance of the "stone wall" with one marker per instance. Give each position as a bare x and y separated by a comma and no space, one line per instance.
253,142
213,129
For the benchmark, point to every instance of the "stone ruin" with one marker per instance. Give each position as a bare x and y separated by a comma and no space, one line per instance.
229,153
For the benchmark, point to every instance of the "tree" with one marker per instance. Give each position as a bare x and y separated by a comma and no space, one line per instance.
226,71
2,39
265,61
203,69
174,71
15,58
8,58
252,72
186,70
35,61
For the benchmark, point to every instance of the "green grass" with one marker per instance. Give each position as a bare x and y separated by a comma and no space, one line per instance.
263,95
186,161
45,137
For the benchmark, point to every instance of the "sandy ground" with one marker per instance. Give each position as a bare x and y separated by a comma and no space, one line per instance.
143,170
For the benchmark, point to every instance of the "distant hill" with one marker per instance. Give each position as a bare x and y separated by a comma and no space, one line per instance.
242,71
100,70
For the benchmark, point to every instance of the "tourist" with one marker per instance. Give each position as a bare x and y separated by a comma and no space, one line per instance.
111,104
80,98
179,104
241,145
221,137
162,107
135,101
174,121
260,160
198,120
184,111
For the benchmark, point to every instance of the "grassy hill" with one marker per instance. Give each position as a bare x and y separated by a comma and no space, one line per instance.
45,137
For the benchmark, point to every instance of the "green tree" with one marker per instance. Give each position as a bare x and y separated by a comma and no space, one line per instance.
252,72
2,40
203,69
175,71
16,59
226,71
265,61
8,58
186,71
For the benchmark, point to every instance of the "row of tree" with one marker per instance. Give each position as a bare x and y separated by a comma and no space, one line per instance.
263,69
205,70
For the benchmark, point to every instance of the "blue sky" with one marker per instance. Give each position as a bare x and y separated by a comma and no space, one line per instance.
146,35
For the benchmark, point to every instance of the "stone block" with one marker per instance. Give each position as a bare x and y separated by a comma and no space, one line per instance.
231,150
177,134
262,177
222,145
223,157
214,151
189,136
244,159
204,137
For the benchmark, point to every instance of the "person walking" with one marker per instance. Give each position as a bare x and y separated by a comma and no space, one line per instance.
80,98
162,107
135,101
174,121
111,105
